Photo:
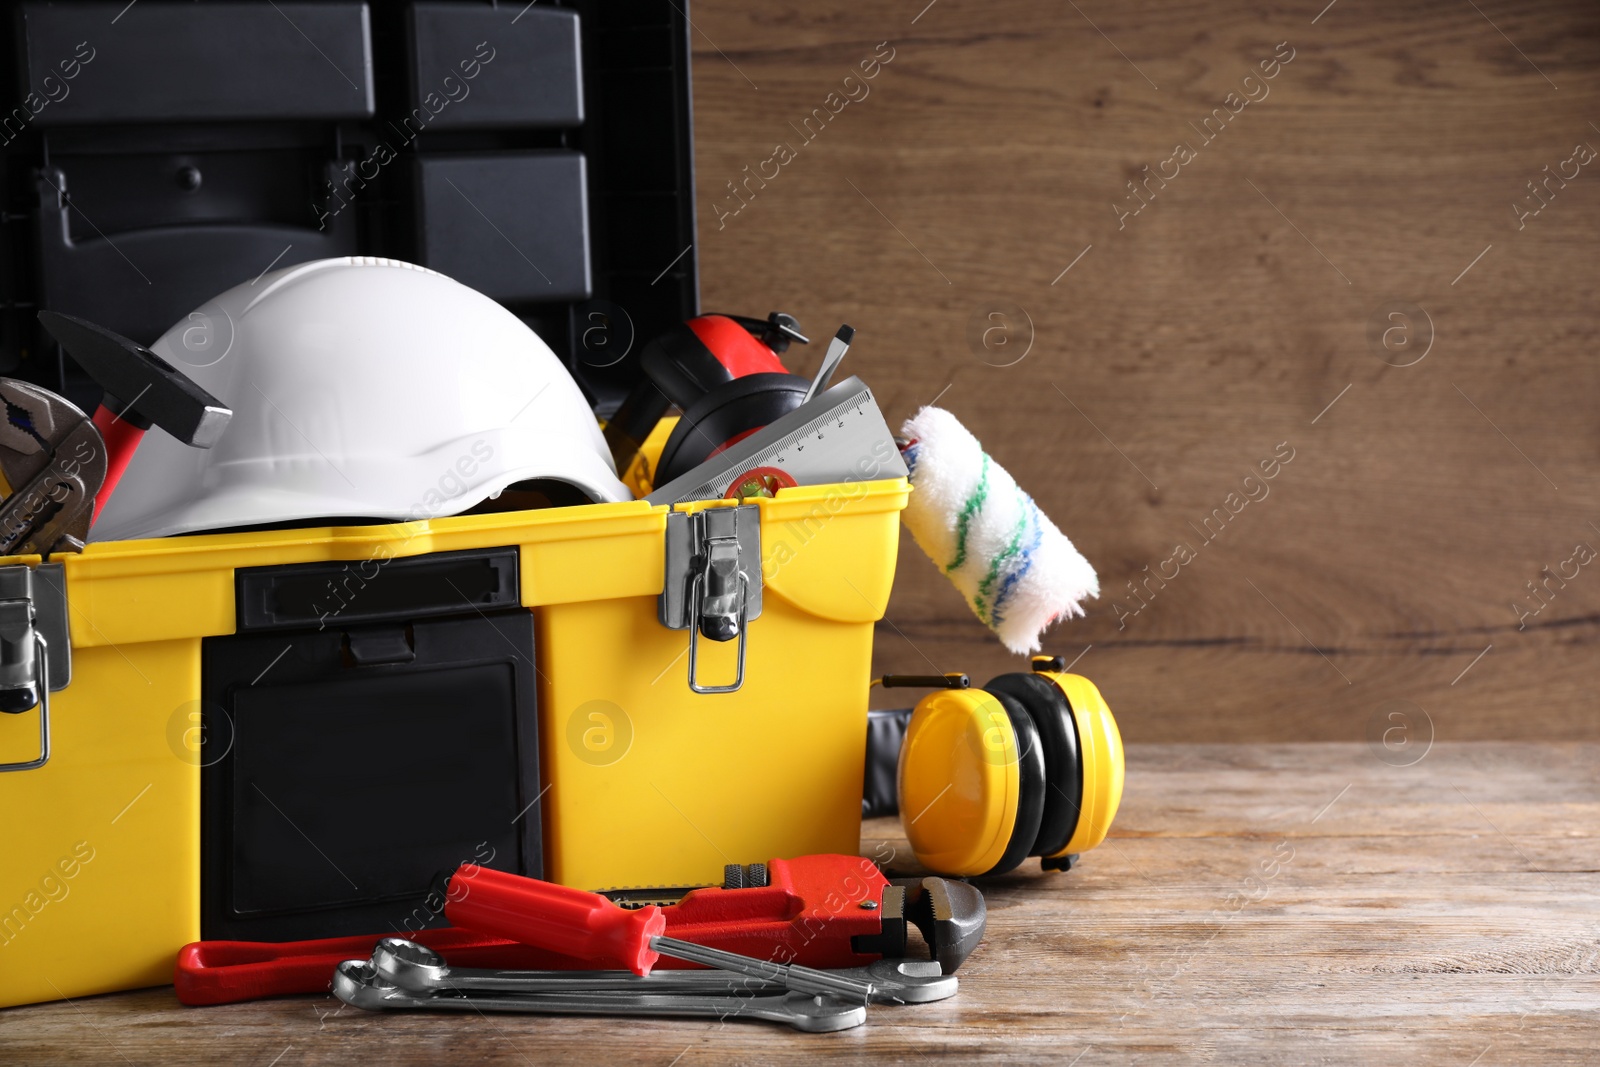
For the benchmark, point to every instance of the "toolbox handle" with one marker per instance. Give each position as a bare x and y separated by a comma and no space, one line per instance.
742,636
43,672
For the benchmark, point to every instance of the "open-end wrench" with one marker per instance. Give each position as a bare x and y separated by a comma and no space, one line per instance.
54,462
357,983
791,976
419,969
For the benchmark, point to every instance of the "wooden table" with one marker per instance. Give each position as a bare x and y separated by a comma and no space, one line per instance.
1256,904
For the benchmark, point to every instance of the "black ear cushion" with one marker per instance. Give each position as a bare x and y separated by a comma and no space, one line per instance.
1031,789
731,409
1058,737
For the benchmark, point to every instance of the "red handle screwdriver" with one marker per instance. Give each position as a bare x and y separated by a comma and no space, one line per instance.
554,917
570,921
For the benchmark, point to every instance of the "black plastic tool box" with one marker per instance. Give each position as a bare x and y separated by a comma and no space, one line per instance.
154,154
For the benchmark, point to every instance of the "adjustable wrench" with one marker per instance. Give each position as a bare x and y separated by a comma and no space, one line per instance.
54,461
418,969
358,984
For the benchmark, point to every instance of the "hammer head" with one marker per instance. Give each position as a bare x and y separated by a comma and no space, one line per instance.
141,387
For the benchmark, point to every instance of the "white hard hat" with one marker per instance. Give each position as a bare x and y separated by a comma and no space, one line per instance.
361,388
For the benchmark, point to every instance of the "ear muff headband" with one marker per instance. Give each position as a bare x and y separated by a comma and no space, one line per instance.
733,345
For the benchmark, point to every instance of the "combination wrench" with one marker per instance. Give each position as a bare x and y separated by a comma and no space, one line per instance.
419,969
357,983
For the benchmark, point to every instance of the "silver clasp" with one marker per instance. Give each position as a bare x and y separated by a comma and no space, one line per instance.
712,584
35,647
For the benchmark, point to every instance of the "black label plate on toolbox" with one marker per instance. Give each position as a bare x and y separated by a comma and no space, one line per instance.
374,590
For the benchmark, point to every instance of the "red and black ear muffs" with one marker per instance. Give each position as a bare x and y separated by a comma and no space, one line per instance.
690,360
727,415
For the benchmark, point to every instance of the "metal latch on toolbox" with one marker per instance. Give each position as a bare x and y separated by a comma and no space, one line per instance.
35,646
713,580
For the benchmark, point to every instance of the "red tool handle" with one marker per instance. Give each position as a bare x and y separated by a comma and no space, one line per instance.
554,917
227,972
122,438
815,910
820,911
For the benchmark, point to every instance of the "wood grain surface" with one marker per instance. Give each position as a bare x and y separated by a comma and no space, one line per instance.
1378,168
1255,904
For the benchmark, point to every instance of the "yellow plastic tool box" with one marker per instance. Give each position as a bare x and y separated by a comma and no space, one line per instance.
640,780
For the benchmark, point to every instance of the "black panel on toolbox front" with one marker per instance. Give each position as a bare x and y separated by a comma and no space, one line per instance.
138,188
350,762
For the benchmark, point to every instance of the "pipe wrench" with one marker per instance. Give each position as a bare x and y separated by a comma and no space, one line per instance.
54,462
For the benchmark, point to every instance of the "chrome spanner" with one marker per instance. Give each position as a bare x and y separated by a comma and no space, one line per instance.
792,976
419,969
356,983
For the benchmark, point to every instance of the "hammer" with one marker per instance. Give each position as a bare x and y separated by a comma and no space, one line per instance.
141,390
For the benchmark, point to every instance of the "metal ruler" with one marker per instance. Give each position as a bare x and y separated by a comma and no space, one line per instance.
839,436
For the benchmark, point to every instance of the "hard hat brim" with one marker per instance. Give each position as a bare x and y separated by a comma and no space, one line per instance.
246,506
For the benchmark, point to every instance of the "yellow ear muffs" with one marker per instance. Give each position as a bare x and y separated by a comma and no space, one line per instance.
971,782
1100,749
1058,740
1030,765
1031,779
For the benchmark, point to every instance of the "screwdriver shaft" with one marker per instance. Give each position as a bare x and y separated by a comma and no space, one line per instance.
794,977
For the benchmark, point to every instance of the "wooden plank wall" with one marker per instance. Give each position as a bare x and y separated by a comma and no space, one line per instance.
1385,167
